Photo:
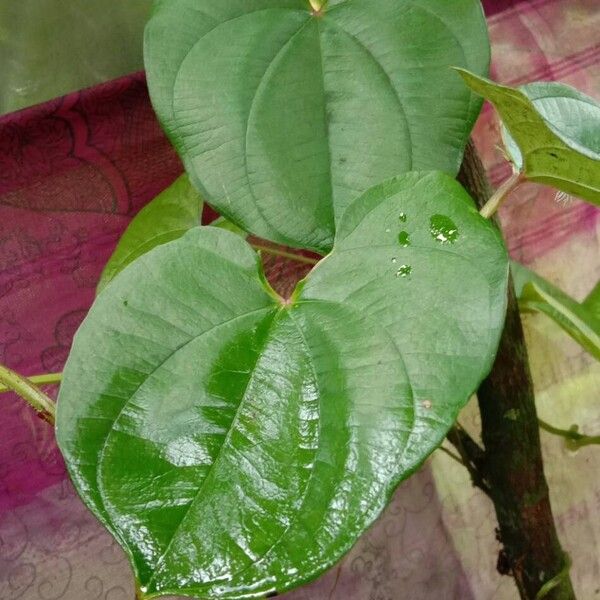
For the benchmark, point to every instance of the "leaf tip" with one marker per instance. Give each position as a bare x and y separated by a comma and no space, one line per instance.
317,7
459,70
475,82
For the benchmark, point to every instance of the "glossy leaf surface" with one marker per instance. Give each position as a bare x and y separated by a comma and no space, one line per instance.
554,133
238,444
173,212
579,320
283,116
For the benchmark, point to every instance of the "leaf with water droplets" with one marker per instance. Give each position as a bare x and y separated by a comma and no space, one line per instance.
553,133
237,444
283,115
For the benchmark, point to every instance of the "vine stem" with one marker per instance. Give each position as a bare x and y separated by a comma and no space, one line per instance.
45,379
307,260
512,464
556,580
489,209
573,439
40,402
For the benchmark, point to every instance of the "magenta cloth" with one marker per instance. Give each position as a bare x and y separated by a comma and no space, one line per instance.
73,172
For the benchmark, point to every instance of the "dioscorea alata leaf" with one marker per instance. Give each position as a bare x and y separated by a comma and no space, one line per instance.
553,133
237,444
283,115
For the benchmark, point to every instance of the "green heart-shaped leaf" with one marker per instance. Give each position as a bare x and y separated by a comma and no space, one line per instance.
237,444
173,212
579,320
283,115
553,133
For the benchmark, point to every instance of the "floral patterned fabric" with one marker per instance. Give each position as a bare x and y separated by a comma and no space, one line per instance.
75,170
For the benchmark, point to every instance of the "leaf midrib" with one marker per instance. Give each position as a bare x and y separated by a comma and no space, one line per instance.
192,339
207,586
226,440
245,157
388,79
311,475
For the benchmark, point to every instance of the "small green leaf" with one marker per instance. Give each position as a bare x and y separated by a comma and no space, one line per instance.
579,320
223,223
237,444
173,212
592,301
283,114
553,133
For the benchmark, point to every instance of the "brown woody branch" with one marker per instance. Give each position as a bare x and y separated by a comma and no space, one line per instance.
510,466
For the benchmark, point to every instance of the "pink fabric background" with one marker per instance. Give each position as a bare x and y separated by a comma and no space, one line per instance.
72,174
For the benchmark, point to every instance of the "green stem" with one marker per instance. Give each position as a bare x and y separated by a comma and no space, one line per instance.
22,386
307,260
228,225
500,195
556,580
573,439
45,379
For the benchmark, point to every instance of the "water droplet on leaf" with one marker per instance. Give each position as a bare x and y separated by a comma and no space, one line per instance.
404,239
404,271
443,229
